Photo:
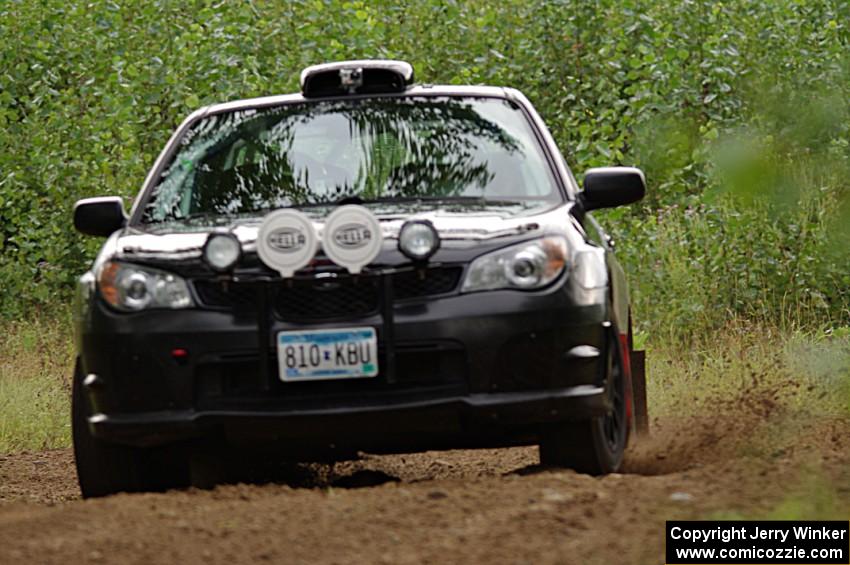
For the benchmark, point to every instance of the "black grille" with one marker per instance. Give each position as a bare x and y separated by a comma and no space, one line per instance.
425,282
224,294
333,297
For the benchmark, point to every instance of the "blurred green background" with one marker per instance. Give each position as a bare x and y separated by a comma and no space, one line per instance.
738,111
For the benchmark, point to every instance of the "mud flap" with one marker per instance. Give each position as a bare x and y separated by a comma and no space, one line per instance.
637,360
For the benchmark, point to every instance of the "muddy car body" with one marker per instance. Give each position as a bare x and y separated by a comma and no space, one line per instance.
491,311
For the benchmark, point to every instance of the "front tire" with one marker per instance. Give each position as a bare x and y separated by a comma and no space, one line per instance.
593,446
104,468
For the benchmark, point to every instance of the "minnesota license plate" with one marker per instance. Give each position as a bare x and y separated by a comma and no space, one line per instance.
313,355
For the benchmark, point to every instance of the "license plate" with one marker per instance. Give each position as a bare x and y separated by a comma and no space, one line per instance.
313,355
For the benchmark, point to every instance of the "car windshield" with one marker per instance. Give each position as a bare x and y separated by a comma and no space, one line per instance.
378,149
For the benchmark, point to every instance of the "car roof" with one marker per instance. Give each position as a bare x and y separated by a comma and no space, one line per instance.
416,90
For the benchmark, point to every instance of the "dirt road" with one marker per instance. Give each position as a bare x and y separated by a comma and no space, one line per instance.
463,506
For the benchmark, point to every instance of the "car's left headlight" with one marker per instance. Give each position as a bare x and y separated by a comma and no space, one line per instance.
527,266
132,287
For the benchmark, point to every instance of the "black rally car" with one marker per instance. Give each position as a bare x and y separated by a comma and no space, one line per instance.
368,265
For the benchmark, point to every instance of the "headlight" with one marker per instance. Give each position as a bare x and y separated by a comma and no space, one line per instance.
222,251
529,265
418,239
131,287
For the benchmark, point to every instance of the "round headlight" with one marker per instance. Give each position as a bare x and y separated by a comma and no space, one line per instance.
222,251
525,269
135,286
418,239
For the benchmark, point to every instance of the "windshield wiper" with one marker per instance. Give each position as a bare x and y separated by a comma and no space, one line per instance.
391,199
218,217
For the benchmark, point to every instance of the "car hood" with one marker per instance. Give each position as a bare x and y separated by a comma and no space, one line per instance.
459,227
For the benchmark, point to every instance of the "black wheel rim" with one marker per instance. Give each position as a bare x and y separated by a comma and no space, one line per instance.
614,423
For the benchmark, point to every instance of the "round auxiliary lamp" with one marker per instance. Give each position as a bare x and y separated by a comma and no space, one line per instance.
222,251
418,240
352,237
287,241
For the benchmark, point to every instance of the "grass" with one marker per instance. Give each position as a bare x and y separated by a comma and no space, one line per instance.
801,373
35,376
817,496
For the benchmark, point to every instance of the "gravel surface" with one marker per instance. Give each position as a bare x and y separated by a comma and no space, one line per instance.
458,506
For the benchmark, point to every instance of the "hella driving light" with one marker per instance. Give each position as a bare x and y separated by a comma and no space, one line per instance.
418,240
132,287
526,266
222,251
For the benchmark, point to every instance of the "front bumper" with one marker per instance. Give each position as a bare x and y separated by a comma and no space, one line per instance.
474,369
465,421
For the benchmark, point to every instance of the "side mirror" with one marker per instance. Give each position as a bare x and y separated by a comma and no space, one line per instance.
99,216
607,187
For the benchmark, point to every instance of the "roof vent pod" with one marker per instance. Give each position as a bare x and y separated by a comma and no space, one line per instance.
356,77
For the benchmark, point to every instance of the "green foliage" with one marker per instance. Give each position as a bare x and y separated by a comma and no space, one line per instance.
738,112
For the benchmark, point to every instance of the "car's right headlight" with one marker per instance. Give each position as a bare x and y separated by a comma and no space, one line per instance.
132,287
527,266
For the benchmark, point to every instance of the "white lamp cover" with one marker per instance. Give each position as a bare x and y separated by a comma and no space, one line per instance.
352,237
287,241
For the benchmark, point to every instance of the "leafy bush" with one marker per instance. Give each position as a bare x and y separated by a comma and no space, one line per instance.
737,111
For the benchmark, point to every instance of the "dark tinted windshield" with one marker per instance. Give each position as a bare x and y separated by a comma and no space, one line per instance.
375,149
